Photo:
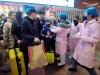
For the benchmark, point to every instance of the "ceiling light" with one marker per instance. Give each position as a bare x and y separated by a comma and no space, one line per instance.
99,6
95,4
84,2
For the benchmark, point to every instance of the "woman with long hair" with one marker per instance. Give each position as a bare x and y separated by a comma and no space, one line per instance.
16,28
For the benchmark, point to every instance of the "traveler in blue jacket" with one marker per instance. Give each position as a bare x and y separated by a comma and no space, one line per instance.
48,36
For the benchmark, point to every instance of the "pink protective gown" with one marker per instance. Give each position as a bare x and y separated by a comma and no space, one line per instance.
85,49
61,39
72,42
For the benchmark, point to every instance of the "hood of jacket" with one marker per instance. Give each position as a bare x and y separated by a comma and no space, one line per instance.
65,24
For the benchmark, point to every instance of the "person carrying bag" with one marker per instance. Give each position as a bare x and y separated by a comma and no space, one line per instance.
37,57
30,36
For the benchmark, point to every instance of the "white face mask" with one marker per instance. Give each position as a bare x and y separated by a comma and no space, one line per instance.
85,14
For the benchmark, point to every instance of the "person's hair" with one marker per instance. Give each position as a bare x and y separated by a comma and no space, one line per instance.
84,18
31,10
41,12
19,16
92,16
2,15
54,21
77,17
10,13
48,21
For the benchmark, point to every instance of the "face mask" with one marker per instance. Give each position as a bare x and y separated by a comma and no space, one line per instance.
48,25
58,20
75,22
84,18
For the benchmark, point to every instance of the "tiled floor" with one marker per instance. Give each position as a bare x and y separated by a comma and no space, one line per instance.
55,70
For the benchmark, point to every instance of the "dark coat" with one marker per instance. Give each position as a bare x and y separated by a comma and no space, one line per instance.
2,22
29,31
16,31
49,43
39,25
44,33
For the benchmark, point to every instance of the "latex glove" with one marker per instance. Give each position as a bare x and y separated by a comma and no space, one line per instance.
50,36
47,36
48,33
36,40
53,27
19,41
77,36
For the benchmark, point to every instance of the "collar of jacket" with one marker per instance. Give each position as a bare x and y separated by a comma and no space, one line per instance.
65,24
92,21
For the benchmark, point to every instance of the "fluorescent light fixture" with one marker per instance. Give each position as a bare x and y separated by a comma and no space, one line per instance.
69,3
99,6
95,4
84,3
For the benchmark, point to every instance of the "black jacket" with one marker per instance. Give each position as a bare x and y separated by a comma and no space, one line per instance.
44,33
16,30
39,25
29,31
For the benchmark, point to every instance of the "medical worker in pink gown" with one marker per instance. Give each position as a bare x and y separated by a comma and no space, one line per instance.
72,42
88,36
61,37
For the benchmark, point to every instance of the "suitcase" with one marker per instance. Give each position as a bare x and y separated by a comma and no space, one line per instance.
50,57
16,60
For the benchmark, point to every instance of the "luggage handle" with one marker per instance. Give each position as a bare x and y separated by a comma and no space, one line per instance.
18,61
20,65
35,44
16,50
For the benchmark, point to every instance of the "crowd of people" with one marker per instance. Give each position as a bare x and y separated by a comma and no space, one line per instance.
79,38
